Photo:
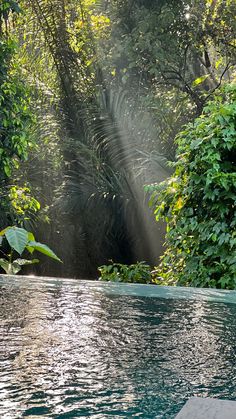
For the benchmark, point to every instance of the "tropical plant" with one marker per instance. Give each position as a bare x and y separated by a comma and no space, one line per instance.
185,45
95,152
18,206
139,273
199,201
15,114
16,119
20,240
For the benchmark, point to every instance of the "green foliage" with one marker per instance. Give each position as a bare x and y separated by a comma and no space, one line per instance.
92,160
22,202
32,245
15,115
18,206
16,203
139,273
17,238
199,201
8,6
187,45
12,268
20,240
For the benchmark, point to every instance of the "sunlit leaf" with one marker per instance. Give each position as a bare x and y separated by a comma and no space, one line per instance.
43,248
17,238
200,80
4,264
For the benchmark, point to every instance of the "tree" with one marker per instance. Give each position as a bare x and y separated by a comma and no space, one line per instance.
14,100
185,45
199,201
15,113
108,110
94,195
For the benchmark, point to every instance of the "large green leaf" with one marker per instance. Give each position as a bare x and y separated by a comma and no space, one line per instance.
23,262
2,233
14,267
4,264
31,237
10,268
43,248
17,238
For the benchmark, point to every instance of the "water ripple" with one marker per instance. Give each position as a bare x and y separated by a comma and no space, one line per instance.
72,352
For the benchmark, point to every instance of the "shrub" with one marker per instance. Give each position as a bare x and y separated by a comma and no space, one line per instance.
117,272
199,201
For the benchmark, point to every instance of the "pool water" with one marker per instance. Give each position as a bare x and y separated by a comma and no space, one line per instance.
74,350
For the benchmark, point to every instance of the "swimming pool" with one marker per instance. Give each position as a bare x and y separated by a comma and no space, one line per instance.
79,349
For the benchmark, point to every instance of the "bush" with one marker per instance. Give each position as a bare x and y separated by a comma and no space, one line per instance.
199,201
117,272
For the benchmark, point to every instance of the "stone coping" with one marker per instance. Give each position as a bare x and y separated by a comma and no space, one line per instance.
208,408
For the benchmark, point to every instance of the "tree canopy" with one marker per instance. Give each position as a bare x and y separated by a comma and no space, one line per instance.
109,84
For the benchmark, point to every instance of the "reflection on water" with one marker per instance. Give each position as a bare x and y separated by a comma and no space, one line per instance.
71,352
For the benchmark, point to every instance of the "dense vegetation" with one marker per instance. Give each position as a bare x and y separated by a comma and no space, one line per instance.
135,273
15,120
110,85
199,201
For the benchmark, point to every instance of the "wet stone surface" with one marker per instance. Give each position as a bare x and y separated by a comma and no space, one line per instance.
197,408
